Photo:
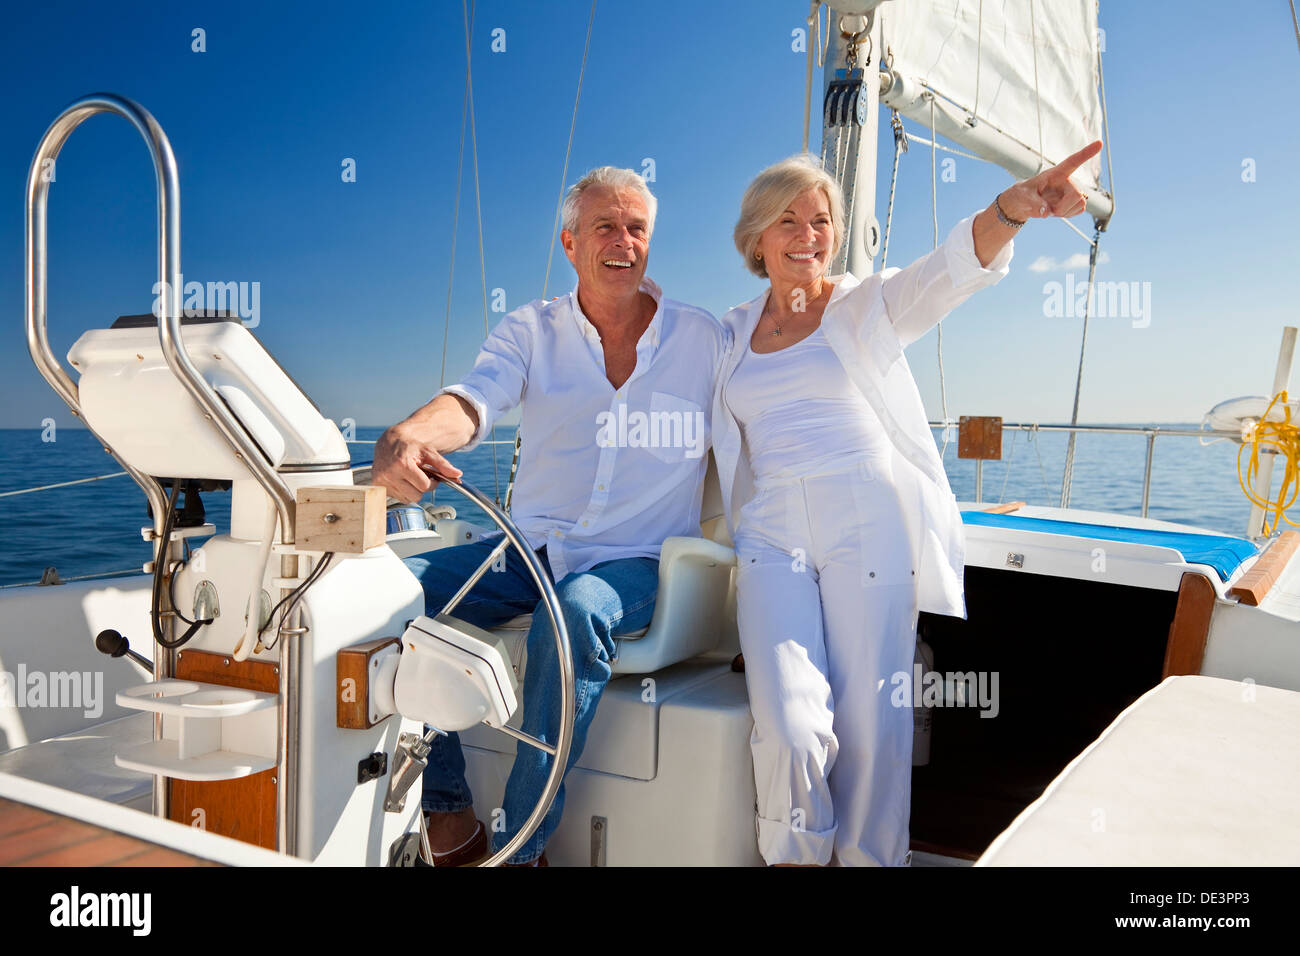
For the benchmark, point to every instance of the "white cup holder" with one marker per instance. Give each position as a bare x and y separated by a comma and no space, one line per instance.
215,698
185,698
163,689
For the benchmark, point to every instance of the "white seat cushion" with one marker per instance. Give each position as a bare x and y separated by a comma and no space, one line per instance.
1199,771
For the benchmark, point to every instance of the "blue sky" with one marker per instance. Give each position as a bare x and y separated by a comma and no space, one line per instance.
354,276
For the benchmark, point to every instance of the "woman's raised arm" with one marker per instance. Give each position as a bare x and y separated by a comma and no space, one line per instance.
1048,194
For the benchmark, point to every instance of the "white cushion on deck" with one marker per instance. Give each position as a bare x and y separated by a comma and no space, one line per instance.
1194,773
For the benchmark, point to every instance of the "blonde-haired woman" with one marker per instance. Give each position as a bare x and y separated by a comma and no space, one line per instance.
844,523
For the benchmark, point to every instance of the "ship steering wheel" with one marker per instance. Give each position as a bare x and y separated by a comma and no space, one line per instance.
559,751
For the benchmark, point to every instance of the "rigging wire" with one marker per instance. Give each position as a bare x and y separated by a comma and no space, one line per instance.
979,60
1038,99
1082,235
814,23
455,213
1105,131
934,212
568,150
78,577
60,484
900,147
555,226
1078,383
913,137
1002,495
514,469
1038,451
1095,242
478,211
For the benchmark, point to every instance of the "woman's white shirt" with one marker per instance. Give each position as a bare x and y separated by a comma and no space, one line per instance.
800,412
867,323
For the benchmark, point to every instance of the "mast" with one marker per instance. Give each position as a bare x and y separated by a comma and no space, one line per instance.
850,110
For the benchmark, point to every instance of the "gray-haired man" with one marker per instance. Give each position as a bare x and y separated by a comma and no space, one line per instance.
595,502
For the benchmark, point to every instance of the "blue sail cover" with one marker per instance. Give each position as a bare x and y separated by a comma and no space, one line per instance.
1224,553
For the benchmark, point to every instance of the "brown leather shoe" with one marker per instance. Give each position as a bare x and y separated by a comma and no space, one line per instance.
473,850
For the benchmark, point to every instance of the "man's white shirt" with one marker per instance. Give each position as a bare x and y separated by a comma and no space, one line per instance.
604,473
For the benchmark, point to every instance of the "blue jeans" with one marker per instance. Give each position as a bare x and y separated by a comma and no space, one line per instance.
615,597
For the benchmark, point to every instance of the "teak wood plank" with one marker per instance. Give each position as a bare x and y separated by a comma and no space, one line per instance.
1190,629
42,838
158,856
110,850
1004,509
244,808
16,817
1268,567
54,834
225,670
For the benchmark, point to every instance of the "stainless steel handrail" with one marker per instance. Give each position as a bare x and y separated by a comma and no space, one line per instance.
169,280
39,177
37,302
178,360
1149,431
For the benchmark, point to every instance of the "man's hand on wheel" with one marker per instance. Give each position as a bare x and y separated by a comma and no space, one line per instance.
408,468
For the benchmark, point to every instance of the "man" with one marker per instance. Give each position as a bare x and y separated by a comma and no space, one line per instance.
595,501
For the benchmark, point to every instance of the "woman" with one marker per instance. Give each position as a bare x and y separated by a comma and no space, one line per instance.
844,523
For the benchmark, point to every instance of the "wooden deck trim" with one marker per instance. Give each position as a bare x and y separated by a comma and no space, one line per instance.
1268,567
36,837
1185,649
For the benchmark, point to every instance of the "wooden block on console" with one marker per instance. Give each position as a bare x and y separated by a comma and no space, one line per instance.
352,686
347,519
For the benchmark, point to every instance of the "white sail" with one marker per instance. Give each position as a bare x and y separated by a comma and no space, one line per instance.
1017,81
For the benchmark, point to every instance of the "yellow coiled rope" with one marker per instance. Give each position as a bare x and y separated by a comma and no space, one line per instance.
1284,436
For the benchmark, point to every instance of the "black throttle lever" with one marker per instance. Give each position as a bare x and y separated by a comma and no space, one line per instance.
113,644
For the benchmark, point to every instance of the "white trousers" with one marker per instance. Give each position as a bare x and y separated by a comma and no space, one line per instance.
826,604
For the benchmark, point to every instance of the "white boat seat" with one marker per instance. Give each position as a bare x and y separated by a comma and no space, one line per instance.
1199,771
690,610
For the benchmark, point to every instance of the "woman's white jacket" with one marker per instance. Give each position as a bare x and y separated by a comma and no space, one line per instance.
868,323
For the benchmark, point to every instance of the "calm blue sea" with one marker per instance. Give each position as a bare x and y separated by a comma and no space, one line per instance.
92,528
